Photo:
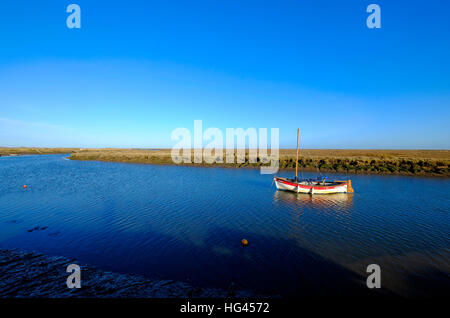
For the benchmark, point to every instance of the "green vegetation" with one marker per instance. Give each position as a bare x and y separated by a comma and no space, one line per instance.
7,151
381,166
408,162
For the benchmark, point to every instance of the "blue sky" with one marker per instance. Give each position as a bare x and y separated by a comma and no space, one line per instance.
136,70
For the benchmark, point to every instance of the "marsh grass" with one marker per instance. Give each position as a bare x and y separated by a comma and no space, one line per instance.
10,151
410,162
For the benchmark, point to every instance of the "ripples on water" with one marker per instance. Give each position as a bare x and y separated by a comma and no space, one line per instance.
186,223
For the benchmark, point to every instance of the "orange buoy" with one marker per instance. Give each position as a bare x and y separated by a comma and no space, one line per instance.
244,242
25,186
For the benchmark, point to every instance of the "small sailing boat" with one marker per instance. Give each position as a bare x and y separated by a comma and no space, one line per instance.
312,186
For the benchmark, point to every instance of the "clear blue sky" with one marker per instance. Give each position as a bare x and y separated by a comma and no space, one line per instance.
136,70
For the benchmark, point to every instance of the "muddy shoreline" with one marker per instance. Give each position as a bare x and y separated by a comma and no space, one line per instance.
292,169
30,274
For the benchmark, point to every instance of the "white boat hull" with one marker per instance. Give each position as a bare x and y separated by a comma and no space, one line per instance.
313,187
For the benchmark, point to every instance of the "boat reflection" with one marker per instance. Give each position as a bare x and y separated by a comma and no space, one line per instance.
339,201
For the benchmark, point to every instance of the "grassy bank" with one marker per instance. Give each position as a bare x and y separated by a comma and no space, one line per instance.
408,162
15,151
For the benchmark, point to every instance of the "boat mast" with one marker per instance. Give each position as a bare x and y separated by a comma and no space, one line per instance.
296,161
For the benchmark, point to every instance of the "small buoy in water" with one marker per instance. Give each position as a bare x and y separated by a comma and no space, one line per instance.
25,186
244,242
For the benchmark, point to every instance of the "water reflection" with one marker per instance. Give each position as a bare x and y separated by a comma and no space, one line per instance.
339,201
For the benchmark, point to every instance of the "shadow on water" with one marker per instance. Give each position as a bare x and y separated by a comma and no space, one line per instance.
290,271
293,271
428,283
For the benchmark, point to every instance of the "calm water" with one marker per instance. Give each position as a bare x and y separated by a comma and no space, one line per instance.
186,223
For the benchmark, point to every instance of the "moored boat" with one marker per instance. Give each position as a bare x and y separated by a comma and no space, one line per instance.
312,186
319,186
